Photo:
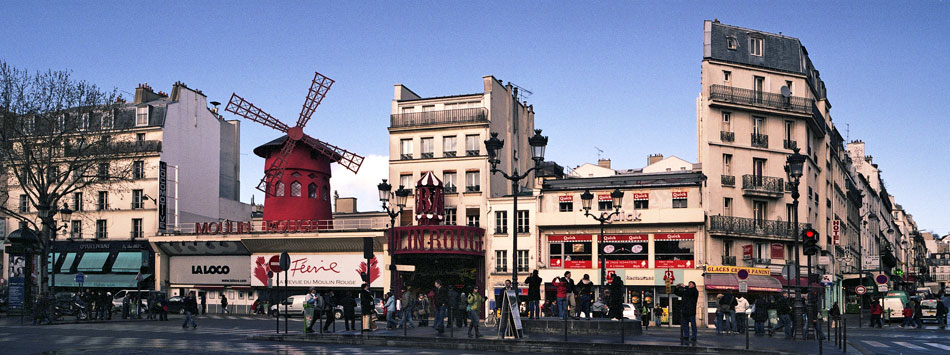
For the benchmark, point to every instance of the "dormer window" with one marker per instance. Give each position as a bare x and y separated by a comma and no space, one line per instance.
84,122
732,43
755,46
107,120
141,116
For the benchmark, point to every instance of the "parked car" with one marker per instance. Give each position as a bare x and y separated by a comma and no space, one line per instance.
358,311
118,296
294,306
176,304
929,309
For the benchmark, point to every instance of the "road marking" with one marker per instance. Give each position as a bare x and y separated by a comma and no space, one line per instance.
909,345
875,344
939,346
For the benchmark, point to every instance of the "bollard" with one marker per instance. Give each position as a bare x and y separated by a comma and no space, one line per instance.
746,331
844,338
565,329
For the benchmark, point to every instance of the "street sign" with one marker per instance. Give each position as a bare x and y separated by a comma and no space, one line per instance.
742,274
881,279
275,264
824,260
827,280
284,261
743,286
80,278
860,290
668,275
872,262
836,232
881,288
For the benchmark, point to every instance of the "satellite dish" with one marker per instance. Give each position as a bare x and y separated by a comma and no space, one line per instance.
786,92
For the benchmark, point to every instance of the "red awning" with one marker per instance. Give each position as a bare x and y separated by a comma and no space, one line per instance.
729,282
791,283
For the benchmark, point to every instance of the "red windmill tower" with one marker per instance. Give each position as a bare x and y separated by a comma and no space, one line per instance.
296,179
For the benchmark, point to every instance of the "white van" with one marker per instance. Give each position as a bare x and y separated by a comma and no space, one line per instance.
896,307
294,305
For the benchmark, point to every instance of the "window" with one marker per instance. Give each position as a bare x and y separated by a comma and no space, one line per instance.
501,261
789,130
280,189
405,149
107,120
136,228
295,189
405,181
727,206
428,108
726,75
471,145
312,190
570,251
758,84
138,169
449,146
523,222
727,247
428,147
75,229
102,231
448,180
103,172
641,201
758,170
141,116
472,181
755,46
472,217
501,222
24,203
84,122
727,121
679,199
136,199
758,125
727,164
732,43
522,261
77,202
604,202
451,216
761,251
629,251
759,210
673,250
565,203
140,137
103,202
788,84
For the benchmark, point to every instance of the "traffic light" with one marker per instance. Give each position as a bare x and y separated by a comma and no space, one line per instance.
810,241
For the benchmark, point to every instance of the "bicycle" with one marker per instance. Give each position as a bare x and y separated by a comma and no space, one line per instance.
492,319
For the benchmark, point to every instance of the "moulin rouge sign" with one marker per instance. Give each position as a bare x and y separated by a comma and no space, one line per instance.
237,227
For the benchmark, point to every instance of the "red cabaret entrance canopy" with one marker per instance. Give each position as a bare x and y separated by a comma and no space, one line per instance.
436,239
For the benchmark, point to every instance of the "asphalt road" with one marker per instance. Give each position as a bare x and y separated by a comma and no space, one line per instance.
214,335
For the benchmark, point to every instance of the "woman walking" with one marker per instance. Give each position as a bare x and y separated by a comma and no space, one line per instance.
475,301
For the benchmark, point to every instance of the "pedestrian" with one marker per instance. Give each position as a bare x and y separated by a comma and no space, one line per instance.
441,295
571,295
760,314
366,306
689,297
224,304
732,313
474,308
785,319
534,295
811,311
742,319
835,314
313,301
204,299
561,284
452,304
163,308
408,306
723,324
584,291
125,306
941,314
908,314
390,308
616,298
658,314
876,311
349,311
918,314
191,308
329,305
149,303
109,305
423,307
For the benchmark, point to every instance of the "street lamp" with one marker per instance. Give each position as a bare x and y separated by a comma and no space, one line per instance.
385,195
587,199
46,217
794,165
492,145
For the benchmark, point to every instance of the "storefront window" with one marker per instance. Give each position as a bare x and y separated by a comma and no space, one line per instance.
572,251
673,250
626,251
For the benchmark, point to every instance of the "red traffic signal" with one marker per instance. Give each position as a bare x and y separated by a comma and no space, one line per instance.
810,241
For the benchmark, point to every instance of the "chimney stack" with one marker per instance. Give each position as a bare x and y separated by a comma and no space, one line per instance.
144,93
653,158
603,163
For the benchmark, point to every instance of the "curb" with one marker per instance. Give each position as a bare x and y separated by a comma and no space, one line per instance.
511,346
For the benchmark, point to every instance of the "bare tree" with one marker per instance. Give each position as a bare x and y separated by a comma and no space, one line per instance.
55,141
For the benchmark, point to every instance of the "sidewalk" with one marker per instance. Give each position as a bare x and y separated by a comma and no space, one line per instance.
653,340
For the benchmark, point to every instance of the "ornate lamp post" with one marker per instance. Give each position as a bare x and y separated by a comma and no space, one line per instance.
385,195
46,214
616,198
794,166
492,145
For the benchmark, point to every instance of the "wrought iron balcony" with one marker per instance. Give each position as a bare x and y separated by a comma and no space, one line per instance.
763,186
760,140
727,136
728,180
472,152
450,189
448,154
739,226
428,118
789,144
766,100
114,148
473,188
427,155
405,156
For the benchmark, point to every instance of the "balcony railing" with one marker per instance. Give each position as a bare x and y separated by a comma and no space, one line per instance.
427,155
753,227
760,99
727,136
728,180
130,147
790,144
450,189
449,154
472,152
764,186
464,115
405,156
760,140
475,188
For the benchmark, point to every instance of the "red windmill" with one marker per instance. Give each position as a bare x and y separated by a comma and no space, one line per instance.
308,164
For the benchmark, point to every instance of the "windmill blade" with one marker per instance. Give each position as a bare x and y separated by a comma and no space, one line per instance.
318,89
275,172
349,160
241,107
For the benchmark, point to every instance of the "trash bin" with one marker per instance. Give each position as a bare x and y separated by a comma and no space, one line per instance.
307,315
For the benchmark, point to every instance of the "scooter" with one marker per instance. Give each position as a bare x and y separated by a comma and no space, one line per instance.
71,308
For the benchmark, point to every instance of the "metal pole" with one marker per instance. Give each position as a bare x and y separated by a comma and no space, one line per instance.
669,316
514,233
861,276
817,327
844,342
277,318
798,309
600,256
285,304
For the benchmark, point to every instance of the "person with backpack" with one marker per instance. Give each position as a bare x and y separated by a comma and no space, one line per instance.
474,308
760,314
316,302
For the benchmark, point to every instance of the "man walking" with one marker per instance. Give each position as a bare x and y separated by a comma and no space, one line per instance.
349,311
224,304
475,301
441,295
191,308
408,304
534,295
785,318
329,305
688,312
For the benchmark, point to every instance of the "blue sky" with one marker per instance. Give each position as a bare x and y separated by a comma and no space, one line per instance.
621,76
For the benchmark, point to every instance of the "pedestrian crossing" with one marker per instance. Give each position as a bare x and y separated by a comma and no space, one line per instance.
899,346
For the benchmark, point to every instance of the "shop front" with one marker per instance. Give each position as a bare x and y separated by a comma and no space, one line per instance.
754,283
106,265
213,277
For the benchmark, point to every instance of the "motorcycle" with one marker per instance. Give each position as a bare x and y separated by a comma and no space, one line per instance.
71,308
